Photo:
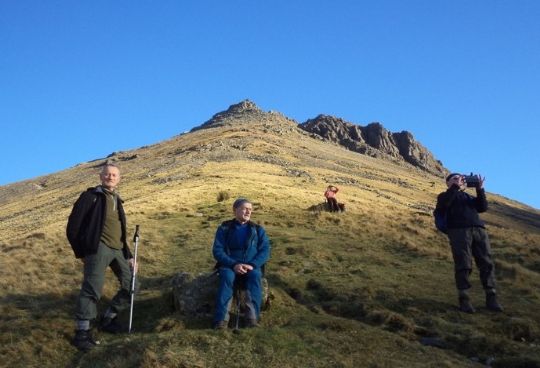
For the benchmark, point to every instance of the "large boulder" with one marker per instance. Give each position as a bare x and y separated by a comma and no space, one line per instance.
195,296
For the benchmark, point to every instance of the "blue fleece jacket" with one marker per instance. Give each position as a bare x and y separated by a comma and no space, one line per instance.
235,243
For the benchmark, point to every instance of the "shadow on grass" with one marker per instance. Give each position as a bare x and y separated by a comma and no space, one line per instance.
530,217
43,324
23,312
416,319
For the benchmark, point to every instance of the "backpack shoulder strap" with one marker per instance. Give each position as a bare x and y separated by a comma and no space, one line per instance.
257,227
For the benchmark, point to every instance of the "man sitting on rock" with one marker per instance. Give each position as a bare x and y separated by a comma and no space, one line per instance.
241,248
330,195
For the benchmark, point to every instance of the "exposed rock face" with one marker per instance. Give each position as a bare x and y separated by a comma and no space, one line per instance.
416,154
195,296
374,140
242,109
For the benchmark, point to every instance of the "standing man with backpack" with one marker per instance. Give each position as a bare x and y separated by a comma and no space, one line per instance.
241,248
468,238
96,230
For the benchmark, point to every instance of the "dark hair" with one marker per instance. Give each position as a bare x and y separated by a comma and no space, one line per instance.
450,176
239,202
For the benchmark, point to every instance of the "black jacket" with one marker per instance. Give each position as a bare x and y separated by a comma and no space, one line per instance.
461,208
85,223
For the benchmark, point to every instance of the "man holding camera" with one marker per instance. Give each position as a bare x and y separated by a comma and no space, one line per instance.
468,237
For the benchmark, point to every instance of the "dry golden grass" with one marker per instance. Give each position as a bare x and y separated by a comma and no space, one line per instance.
352,289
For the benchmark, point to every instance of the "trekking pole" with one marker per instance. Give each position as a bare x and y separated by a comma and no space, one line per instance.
236,330
133,276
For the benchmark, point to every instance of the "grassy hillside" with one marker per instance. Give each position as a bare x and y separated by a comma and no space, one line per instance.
354,289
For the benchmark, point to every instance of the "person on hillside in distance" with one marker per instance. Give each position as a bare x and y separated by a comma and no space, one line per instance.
468,239
241,248
96,230
330,195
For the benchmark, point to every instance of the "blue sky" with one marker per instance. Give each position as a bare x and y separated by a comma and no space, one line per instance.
81,79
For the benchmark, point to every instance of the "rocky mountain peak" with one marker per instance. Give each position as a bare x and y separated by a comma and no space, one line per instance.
242,107
245,108
374,140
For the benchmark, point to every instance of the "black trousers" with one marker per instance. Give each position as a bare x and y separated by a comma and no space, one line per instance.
468,243
333,204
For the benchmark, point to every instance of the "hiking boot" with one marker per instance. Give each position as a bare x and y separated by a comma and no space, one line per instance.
220,325
251,323
83,340
111,325
465,304
492,304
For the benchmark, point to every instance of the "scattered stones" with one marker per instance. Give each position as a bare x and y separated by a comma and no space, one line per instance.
433,341
129,158
521,329
298,173
168,179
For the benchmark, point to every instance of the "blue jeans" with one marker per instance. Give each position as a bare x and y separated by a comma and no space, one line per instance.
253,286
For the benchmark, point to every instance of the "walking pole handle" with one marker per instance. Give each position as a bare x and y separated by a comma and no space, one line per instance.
136,241
136,236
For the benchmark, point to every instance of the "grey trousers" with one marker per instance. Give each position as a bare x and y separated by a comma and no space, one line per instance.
468,243
95,266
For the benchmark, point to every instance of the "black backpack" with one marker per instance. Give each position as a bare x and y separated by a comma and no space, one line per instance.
440,220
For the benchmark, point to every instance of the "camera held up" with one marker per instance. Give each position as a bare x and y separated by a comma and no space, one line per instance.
472,180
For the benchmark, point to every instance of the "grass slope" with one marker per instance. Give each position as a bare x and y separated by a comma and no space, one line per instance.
356,289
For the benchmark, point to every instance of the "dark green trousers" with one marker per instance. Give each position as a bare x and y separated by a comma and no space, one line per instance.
95,266
467,244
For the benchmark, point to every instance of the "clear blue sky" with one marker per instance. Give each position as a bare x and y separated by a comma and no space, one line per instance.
81,79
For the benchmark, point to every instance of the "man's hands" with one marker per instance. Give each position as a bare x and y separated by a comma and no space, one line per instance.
460,182
480,181
242,268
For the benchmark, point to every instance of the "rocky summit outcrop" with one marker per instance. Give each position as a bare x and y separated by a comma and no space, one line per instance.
241,110
374,140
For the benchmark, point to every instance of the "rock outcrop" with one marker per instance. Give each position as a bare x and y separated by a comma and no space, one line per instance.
240,110
374,140
195,295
